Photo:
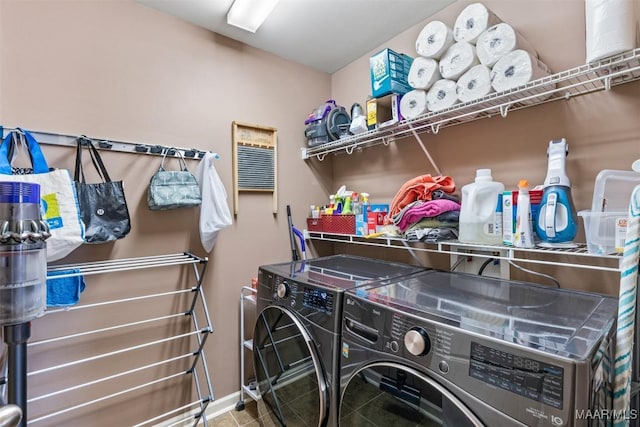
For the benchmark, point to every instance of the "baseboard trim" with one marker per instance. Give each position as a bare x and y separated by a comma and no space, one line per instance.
214,409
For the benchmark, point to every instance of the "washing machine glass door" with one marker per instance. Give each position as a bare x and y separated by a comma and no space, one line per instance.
390,394
290,377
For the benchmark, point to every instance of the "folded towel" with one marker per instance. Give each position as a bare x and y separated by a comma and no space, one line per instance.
64,291
428,209
432,223
441,194
420,188
432,235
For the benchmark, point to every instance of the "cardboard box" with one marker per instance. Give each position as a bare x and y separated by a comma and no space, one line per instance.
383,111
510,210
371,219
389,71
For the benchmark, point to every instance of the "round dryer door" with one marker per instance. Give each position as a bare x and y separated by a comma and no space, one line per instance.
288,370
390,394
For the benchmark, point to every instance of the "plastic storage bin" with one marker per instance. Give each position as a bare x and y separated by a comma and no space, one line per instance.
339,224
600,231
612,190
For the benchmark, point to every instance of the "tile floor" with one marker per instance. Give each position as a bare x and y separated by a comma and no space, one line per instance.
245,418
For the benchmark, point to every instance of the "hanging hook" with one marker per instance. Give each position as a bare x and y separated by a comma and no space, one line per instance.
349,151
504,109
321,156
435,128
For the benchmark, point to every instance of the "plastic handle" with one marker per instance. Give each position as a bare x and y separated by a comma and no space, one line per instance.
37,158
550,215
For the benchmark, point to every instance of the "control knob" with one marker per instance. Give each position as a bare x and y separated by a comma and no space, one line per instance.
283,290
417,341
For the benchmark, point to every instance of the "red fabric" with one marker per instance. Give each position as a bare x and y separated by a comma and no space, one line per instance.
420,188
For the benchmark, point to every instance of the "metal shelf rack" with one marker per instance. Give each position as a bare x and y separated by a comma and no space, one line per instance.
247,294
189,303
580,256
576,81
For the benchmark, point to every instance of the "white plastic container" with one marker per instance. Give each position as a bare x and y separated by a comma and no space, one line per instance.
604,231
524,228
480,215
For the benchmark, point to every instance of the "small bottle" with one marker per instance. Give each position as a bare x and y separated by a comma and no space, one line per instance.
346,209
524,227
355,203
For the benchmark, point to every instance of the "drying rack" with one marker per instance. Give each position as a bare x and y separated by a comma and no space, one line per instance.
194,359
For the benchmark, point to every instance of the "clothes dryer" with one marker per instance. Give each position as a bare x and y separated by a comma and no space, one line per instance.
297,333
451,349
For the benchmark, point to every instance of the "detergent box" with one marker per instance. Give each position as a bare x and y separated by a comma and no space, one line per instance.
383,111
510,210
371,219
389,71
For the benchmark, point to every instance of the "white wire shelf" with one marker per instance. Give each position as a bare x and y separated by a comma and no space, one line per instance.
572,257
577,81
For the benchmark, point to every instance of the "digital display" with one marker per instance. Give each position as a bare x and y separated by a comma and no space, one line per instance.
527,377
318,299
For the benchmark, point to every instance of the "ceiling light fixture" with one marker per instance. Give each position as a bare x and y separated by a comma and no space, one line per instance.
250,14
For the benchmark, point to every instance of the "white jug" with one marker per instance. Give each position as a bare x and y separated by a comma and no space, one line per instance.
480,215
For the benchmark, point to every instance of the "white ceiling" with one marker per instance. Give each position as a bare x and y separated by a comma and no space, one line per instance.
323,34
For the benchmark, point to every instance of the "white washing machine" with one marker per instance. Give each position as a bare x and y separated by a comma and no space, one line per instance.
451,349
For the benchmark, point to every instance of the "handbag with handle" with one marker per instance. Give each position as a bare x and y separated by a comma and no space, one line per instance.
59,201
103,206
173,189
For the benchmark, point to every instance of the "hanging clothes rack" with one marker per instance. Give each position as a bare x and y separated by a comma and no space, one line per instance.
111,145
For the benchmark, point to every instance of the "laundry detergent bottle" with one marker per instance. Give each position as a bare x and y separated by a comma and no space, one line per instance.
481,210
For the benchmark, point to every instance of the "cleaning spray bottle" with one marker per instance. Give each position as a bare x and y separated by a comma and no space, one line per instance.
524,228
556,224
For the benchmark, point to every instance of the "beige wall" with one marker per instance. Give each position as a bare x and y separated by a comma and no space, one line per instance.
602,128
122,71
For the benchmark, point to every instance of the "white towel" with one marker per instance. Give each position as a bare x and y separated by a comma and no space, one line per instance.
457,60
434,40
442,95
472,21
474,84
423,73
610,27
214,210
413,103
499,40
515,69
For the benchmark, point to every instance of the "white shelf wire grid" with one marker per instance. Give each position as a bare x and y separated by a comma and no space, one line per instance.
588,78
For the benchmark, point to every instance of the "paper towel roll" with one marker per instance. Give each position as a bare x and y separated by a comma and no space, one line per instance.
423,73
499,40
413,103
516,68
434,40
442,95
610,27
472,21
474,84
457,60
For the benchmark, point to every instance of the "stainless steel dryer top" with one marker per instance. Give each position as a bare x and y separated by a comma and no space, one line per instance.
340,272
560,322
